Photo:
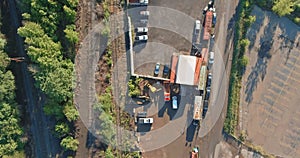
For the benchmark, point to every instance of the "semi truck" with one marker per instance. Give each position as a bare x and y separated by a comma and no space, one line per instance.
197,117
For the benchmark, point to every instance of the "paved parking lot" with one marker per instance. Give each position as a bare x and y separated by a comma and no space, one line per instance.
170,31
270,102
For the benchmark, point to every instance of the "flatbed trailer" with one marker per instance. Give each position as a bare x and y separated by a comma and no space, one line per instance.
197,117
173,68
207,25
202,79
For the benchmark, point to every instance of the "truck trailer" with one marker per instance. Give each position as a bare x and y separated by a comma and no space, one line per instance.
197,117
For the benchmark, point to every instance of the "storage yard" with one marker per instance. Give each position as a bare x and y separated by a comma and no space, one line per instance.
179,73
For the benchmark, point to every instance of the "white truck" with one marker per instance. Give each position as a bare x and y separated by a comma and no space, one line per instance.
138,2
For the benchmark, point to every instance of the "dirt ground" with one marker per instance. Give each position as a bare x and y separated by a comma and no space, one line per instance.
270,95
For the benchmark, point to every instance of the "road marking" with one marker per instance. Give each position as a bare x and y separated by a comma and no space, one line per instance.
285,71
281,76
279,82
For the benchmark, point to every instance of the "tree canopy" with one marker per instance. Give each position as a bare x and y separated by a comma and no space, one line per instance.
283,7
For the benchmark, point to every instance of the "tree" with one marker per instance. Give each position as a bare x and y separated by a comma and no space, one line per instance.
244,61
62,129
9,129
70,14
71,34
283,7
109,153
69,143
71,112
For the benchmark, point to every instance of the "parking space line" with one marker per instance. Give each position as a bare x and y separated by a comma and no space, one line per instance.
285,70
277,83
296,80
281,76
293,59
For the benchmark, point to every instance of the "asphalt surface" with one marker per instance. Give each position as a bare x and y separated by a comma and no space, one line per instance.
211,132
43,143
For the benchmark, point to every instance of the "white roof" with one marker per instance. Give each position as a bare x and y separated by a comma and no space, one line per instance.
186,69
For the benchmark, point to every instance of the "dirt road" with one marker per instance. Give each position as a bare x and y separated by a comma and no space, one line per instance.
44,144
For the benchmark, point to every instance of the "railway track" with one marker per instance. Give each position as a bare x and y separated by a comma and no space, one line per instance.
115,45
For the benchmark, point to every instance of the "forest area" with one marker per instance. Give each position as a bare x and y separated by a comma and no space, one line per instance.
11,137
50,38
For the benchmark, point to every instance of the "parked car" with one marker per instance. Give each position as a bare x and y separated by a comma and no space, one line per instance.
145,120
141,38
211,58
174,102
142,114
144,21
156,70
141,29
197,26
145,13
205,10
166,70
207,93
209,78
214,21
211,4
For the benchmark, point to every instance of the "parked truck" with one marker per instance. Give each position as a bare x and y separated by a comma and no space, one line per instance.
197,117
207,25
167,91
138,2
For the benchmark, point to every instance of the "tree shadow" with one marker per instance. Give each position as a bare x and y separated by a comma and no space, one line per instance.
264,54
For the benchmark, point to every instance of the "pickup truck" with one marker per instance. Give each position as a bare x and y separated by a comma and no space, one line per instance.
145,120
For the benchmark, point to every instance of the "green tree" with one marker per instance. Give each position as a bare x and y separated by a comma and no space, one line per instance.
109,153
244,61
283,7
71,112
69,143
70,14
62,129
9,129
71,34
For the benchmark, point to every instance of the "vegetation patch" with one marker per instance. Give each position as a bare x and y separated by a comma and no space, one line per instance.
239,62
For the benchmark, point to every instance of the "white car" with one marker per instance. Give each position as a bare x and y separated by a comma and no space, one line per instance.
141,38
197,26
144,21
174,102
145,13
141,29
145,120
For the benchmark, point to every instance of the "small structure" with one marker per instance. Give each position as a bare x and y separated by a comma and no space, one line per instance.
186,70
